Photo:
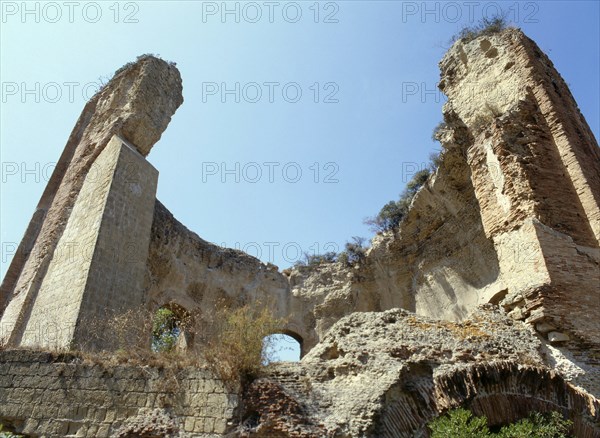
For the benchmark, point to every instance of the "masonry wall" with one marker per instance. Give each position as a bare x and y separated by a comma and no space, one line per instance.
535,167
97,264
136,105
45,394
116,278
200,277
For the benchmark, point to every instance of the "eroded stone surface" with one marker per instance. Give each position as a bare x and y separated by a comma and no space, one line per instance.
511,218
384,374
137,105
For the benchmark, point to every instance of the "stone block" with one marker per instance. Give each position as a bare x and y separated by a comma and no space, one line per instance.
557,337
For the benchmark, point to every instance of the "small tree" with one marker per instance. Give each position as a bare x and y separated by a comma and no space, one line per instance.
417,181
392,213
355,252
388,218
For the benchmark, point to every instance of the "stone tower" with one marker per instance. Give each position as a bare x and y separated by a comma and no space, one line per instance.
85,249
535,169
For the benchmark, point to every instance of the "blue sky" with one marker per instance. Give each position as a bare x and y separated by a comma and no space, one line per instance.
356,133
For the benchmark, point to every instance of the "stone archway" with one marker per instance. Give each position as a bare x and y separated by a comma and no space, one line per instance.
285,346
503,392
172,328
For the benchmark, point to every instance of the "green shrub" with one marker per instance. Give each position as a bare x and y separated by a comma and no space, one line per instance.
392,213
388,218
354,252
461,423
551,425
165,331
6,434
417,181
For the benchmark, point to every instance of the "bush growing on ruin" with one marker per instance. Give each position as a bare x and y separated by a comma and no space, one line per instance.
388,218
126,333
550,425
437,130
236,348
6,434
485,26
461,423
354,252
392,213
165,331
435,160
313,260
417,181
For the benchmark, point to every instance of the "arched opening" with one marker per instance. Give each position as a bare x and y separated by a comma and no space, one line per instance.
282,347
171,329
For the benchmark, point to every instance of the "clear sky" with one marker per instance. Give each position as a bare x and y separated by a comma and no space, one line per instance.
248,161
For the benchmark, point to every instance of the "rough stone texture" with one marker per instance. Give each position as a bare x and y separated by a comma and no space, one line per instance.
198,276
510,212
100,258
52,395
386,374
509,220
136,105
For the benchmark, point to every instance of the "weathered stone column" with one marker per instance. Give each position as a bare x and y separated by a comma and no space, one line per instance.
136,105
99,262
535,168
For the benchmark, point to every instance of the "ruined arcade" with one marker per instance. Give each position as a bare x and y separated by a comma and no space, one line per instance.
486,295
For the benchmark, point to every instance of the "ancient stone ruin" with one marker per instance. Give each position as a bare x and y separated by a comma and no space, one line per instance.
487,296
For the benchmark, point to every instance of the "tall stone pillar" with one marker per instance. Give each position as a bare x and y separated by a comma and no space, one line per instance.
535,167
92,218
99,262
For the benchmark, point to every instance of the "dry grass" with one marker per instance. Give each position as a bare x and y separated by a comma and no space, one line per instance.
461,330
236,348
232,344
126,338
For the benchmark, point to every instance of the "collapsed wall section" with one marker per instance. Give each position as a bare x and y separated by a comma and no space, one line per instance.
535,169
201,277
510,216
